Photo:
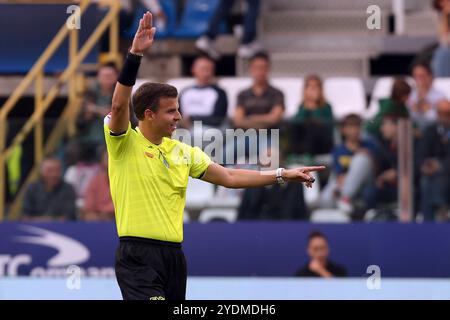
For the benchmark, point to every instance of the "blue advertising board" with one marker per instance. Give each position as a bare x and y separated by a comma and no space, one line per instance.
275,249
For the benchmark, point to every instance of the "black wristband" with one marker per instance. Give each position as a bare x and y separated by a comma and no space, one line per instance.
130,69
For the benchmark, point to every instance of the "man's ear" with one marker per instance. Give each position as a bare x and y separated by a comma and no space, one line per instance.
149,114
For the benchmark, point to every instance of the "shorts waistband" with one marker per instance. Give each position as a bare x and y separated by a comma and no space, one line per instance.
151,241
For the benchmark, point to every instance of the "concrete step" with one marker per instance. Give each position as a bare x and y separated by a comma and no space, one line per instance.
324,64
313,22
340,4
422,23
322,43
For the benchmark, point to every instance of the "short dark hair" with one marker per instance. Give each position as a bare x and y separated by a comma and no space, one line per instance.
206,57
316,234
400,88
148,95
351,119
424,65
111,65
260,55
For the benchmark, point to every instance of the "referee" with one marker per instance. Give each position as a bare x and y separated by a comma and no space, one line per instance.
148,174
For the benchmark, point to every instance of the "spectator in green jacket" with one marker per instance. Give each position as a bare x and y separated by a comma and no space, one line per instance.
394,105
311,129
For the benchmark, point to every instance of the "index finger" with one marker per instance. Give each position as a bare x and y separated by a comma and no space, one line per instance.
314,168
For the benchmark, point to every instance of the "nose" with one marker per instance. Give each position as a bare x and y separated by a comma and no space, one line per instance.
178,116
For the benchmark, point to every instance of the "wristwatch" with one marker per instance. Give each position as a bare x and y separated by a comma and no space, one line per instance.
279,176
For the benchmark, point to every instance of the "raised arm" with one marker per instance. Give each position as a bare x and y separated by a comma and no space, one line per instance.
240,178
143,40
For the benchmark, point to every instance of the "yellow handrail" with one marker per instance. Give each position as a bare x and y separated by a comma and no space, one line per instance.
36,74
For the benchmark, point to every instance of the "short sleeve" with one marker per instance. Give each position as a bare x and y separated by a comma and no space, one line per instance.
279,99
200,161
116,144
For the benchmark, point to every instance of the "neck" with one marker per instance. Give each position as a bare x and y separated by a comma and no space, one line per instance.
352,145
150,135
203,82
262,84
106,91
310,104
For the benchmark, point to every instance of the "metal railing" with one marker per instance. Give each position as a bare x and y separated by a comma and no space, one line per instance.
72,76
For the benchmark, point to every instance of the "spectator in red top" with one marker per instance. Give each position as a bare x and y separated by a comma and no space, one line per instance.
98,204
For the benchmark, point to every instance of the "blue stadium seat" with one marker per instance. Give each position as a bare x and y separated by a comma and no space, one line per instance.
24,37
195,19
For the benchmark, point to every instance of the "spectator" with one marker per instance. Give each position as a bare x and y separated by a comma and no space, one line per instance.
319,264
49,198
275,202
129,8
441,57
97,106
248,46
312,126
435,166
423,99
204,101
353,168
384,190
98,204
395,105
261,106
81,173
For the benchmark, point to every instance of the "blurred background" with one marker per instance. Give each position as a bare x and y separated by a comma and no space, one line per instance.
362,87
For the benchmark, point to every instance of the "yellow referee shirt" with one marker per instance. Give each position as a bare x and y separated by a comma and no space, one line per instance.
148,183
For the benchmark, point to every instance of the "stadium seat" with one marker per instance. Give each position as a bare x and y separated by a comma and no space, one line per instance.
232,86
181,83
210,215
186,217
346,95
329,216
292,89
312,195
140,82
198,194
443,84
195,19
226,198
36,27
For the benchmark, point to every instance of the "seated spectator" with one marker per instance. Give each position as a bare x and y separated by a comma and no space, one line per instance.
90,120
249,46
261,106
384,190
395,105
319,264
98,205
435,166
49,198
129,8
81,173
424,98
204,101
311,129
441,56
353,168
274,202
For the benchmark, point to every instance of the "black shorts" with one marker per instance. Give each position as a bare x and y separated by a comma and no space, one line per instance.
149,269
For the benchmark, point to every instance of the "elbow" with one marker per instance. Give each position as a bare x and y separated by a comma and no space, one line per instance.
116,106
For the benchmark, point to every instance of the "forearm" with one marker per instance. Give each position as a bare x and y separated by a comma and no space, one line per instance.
266,120
241,178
